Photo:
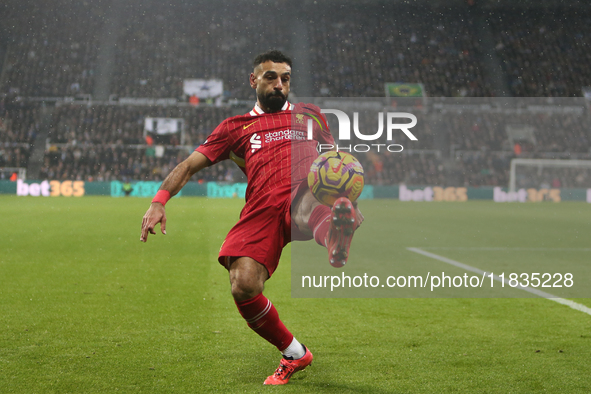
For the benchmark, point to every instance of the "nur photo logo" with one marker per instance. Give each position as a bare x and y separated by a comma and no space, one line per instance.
394,124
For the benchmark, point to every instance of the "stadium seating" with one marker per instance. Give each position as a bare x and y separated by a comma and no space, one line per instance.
18,130
546,53
52,50
354,57
157,50
52,47
106,142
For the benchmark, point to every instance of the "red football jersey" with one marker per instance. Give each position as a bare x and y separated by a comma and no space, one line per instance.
271,149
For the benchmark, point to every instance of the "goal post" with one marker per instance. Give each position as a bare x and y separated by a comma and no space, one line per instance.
535,170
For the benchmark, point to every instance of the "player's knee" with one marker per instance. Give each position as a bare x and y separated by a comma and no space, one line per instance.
243,290
247,278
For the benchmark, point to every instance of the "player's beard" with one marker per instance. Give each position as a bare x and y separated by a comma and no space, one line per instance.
273,101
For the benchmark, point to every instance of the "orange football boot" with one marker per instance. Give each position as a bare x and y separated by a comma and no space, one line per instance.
288,367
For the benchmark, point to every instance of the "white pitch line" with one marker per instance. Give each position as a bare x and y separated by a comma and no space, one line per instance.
501,249
551,297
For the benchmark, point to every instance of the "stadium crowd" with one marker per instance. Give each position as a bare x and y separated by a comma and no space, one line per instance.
550,132
157,50
354,57
546,53
53,52
107,142
19,125
124,125
52,48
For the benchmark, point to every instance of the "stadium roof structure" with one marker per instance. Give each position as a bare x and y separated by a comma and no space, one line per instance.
492,4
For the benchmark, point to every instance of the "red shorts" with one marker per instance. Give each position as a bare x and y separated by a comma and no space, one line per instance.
263,231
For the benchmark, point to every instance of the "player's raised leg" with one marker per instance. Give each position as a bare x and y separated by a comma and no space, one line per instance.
343,224
332,228
247,278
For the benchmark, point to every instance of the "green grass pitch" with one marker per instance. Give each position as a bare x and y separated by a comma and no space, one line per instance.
86,307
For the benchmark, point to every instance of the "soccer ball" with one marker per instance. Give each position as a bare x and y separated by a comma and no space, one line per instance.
334,175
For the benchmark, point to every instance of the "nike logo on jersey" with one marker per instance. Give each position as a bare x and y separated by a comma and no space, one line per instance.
255,142
248,125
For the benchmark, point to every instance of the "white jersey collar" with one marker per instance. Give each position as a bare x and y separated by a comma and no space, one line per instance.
259,111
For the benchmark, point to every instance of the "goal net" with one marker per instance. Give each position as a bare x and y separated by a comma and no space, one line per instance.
548,173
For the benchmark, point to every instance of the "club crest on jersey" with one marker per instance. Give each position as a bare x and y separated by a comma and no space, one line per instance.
255,142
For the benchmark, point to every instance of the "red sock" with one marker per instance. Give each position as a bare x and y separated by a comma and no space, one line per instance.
262,317
319,223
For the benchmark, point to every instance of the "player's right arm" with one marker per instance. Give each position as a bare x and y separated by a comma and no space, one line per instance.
181,174
173,184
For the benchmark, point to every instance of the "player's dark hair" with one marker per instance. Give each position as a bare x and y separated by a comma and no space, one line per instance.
274,55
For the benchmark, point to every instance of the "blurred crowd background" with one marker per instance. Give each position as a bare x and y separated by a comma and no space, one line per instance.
68,66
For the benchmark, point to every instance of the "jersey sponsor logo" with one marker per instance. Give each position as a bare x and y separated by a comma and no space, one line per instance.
248,125
255,142
287,134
